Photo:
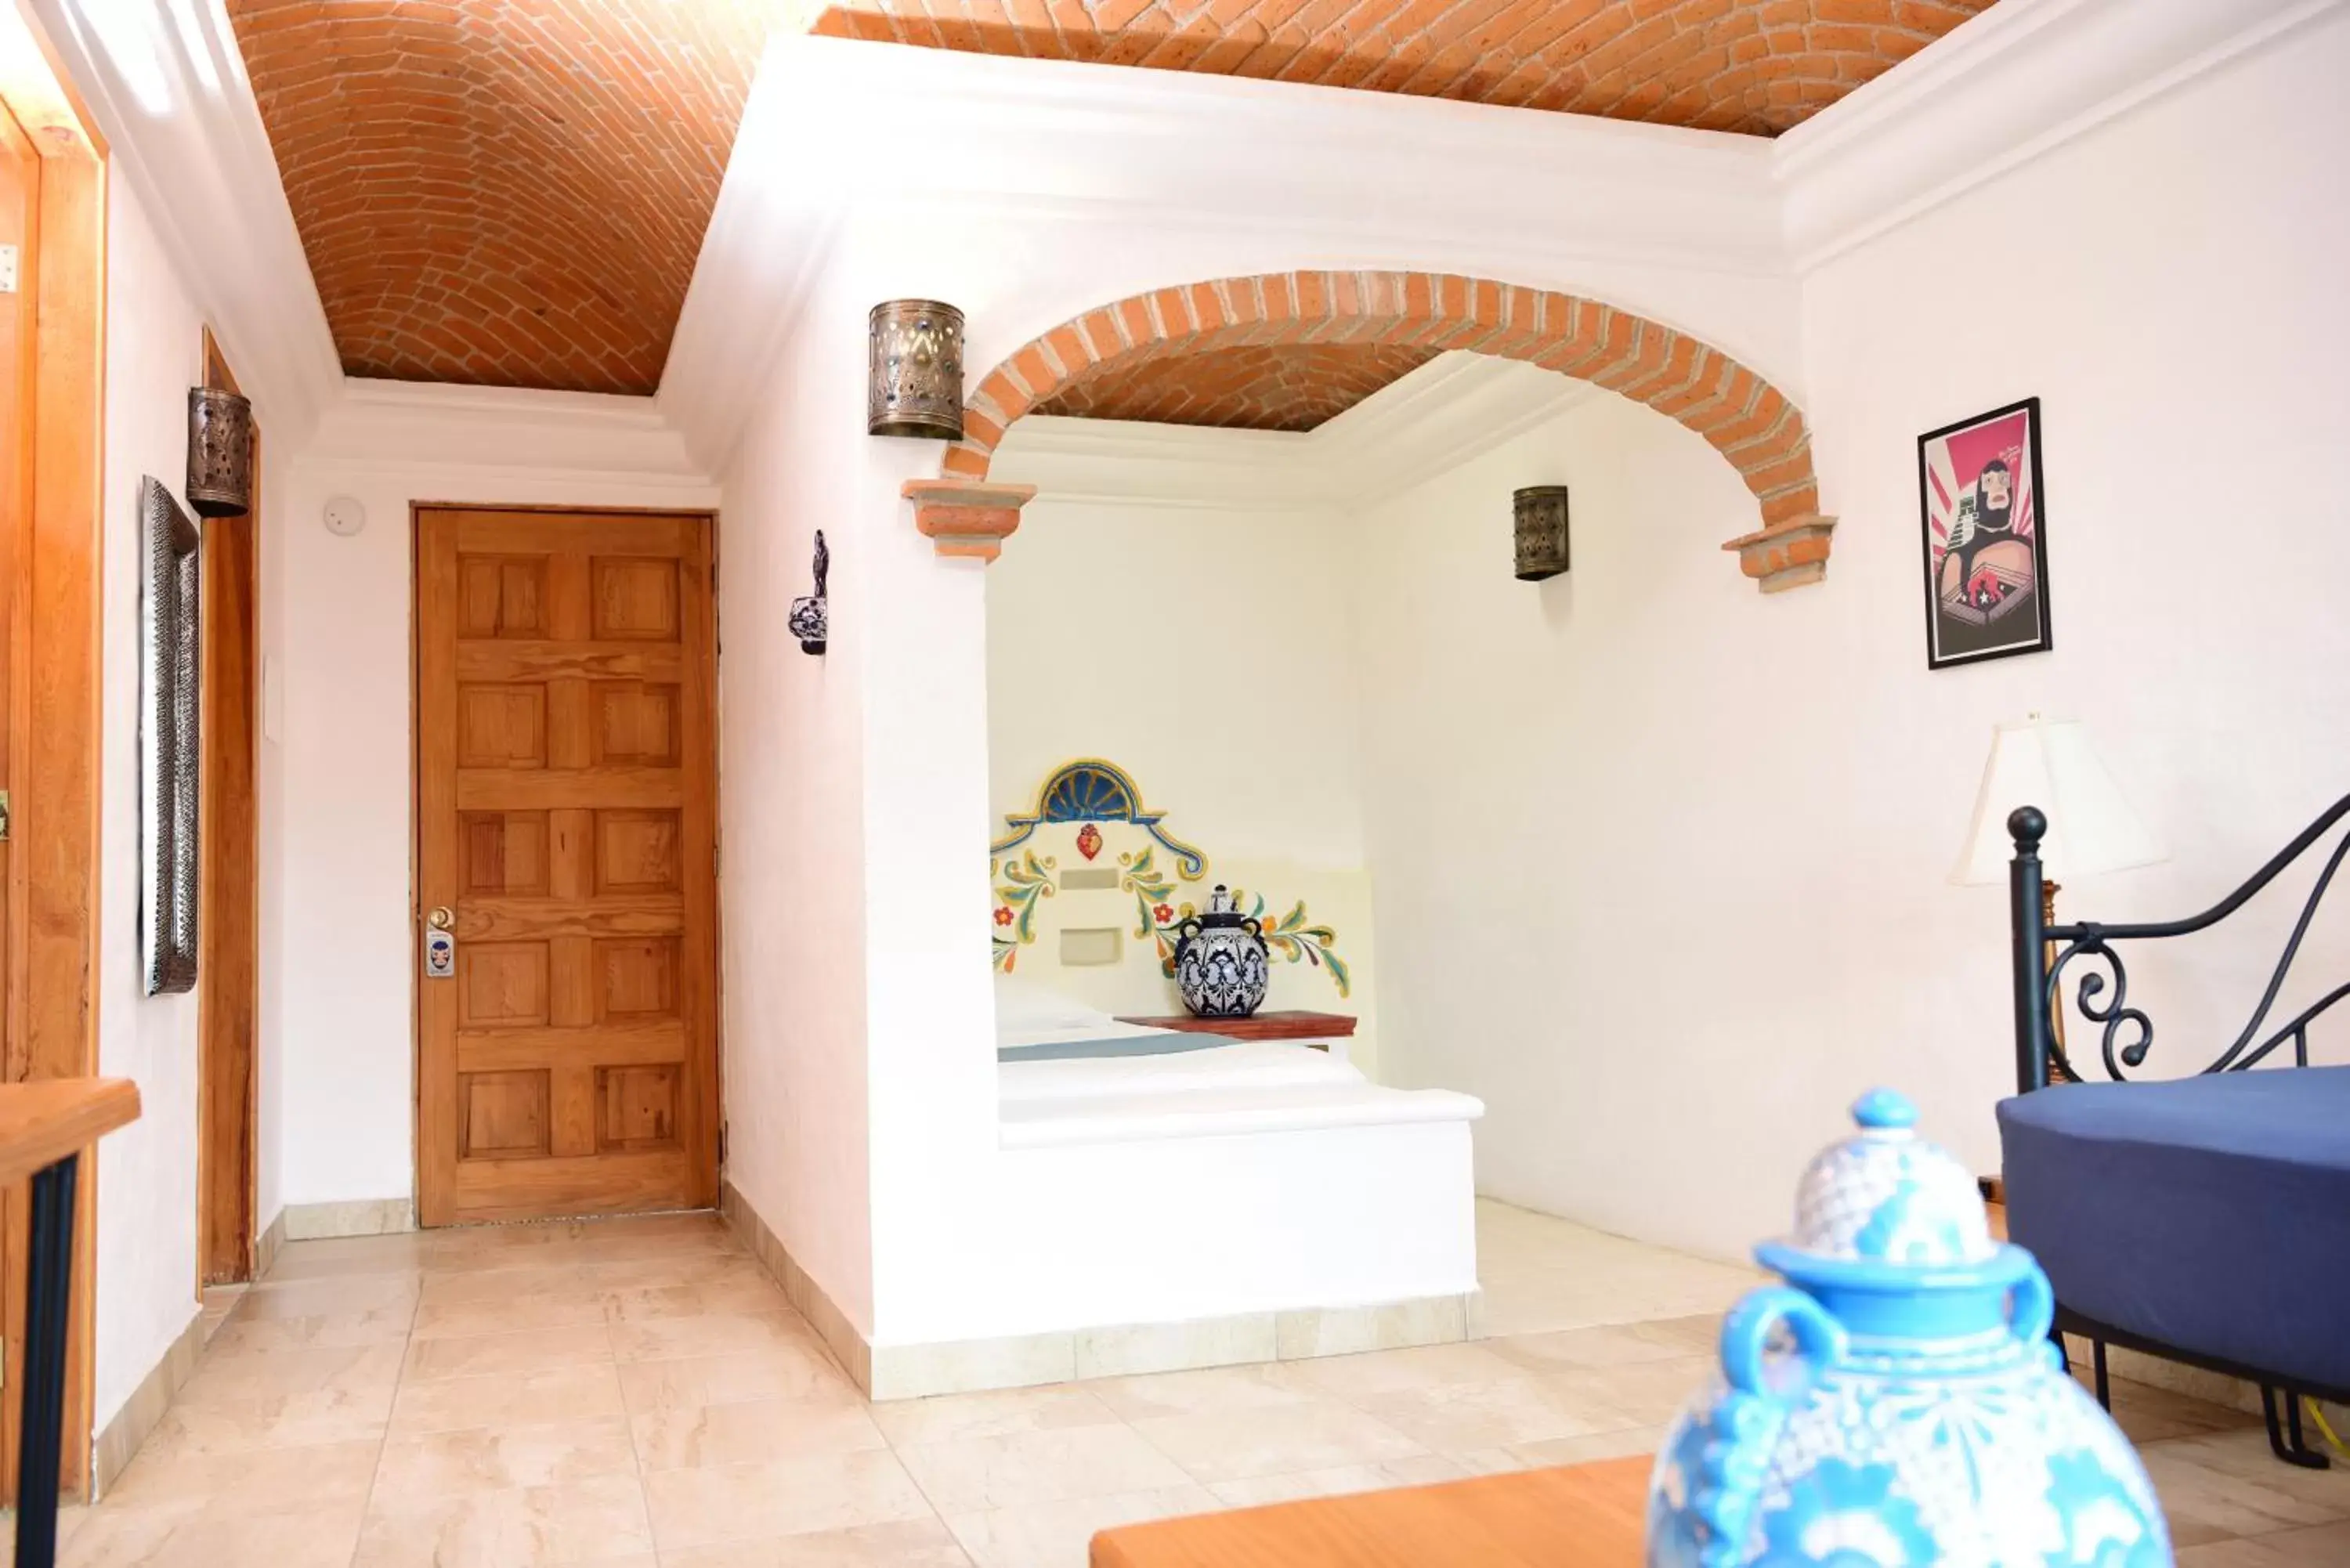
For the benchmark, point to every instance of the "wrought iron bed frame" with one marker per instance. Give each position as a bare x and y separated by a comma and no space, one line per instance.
2127,1034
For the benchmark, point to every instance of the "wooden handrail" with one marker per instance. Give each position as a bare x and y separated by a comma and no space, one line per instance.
43,1121
44,1127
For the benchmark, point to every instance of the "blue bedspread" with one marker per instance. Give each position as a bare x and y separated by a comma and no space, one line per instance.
2210,1213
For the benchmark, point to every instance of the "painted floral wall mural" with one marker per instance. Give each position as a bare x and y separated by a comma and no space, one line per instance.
1091,792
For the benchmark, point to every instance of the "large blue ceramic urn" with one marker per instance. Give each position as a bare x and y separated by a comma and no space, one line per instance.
1898,1402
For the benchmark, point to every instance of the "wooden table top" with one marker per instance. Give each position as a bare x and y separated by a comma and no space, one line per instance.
45,1120
1572,1516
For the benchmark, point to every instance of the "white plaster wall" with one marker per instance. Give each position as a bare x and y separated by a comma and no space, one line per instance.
146,1198
345,943
790,770
1694,897
1207,651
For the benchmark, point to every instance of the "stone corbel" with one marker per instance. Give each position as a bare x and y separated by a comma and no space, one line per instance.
966,518
1787,555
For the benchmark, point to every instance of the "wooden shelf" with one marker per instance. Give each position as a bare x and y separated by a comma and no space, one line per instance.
1291,1025
43,1121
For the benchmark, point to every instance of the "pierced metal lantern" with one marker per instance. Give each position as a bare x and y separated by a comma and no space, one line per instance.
1541,512
220,453
914,387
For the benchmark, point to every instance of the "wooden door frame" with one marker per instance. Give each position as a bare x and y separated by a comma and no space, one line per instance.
228,968
713,1166
53,701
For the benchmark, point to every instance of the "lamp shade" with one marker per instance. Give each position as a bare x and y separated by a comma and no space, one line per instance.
2054,766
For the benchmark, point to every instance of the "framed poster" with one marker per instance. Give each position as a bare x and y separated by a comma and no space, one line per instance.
1984,518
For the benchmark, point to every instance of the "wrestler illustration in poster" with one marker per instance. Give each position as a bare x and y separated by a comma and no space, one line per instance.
1986,564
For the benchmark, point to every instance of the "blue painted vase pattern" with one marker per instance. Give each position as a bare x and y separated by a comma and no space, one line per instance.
1897,1403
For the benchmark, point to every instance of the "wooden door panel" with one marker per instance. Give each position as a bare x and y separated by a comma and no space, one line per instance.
640,1105
529,919
603,1183
501,852
539,660
566,820
501,595
502,726
505,1112
634,721
635,600
637,851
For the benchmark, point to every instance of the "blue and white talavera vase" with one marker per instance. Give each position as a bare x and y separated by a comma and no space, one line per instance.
1898,1402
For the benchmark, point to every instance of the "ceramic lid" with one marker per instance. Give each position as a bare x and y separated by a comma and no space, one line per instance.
1885,1196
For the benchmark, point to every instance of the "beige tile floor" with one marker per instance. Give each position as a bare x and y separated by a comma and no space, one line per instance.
635,1393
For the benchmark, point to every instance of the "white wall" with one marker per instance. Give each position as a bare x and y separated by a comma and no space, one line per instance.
345,943
146,1198
791,821
1705,899
1206,651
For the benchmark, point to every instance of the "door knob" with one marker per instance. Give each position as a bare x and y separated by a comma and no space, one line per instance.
440,919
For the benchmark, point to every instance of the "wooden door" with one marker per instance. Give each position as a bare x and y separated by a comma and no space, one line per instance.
566,821
228,965
20,178
53,414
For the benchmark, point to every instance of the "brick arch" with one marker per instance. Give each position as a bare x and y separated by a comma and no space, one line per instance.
1755,427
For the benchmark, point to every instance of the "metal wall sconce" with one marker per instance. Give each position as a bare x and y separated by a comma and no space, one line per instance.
810,620
1540,515
220,453
914,379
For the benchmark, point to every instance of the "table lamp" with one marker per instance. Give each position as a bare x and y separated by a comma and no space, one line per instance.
2092,827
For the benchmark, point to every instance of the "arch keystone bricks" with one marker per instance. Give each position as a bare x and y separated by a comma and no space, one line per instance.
1757,428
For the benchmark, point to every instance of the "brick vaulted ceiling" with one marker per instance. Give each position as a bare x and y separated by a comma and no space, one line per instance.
514,192
1280,387
1753,66
510,192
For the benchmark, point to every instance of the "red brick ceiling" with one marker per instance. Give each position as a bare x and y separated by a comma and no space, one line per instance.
1288,386
1754,66
502,192
515,191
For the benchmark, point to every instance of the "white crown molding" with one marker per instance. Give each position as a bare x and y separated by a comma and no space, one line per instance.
1122,462
168,87
1055,131
2004,86
1449,411
390,425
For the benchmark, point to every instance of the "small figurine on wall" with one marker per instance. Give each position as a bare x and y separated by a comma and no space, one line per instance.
810,620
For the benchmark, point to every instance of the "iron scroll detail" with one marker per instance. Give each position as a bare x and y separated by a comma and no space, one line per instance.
2102,993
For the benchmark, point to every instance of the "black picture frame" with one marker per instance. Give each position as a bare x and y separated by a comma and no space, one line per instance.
1986,609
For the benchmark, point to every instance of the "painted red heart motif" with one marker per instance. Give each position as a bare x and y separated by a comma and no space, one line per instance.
1089,841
